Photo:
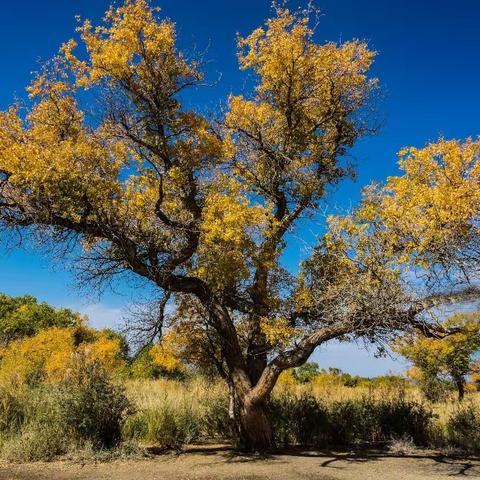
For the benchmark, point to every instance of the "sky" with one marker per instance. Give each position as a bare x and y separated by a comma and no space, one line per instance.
428,65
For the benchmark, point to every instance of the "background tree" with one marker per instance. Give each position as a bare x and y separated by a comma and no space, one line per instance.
449,358
306,372
24,317
201,209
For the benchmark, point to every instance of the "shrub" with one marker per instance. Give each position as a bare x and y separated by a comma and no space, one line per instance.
91,405
166,427
434,389
38,432
35,442
305,420
463,428
215,418
84,410
299,420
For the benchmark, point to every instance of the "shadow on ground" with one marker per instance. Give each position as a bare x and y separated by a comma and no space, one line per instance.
211,462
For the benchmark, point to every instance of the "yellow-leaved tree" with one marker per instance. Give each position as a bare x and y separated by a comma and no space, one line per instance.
202,208
450,358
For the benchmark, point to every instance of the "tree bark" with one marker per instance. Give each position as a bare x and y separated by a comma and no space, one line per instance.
254,427
460,383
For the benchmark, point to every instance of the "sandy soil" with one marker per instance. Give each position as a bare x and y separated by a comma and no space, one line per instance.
220,463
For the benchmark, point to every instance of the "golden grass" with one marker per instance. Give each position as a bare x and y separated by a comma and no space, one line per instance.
197,394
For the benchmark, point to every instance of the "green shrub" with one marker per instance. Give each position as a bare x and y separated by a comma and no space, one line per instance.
36,442
91,406
215,418
165,426
463,428
38,432
299,420
435,389
308,421
84,410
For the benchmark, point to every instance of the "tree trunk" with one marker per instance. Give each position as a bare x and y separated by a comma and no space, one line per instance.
255,433
460,383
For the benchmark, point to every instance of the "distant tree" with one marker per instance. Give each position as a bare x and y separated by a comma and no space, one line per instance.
204,209
306,372
449,358
24,317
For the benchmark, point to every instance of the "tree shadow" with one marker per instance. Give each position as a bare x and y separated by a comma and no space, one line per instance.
458,465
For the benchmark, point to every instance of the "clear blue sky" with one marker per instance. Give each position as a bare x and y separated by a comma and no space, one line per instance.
428,64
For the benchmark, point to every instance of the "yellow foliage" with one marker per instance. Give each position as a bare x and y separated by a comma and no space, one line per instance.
166,354
432,207
300,85
230,225
48,355
105,351
425,217
287,380
278,331
451,355
44,356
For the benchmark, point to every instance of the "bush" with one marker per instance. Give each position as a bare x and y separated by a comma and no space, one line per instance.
83,410
308,421
37,432
91,406
463,428
435,389
35,442
171,414
215,418
299,420
166,427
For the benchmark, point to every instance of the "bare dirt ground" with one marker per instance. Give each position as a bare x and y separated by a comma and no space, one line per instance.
221,463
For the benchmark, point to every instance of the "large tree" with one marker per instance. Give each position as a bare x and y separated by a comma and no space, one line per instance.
108,156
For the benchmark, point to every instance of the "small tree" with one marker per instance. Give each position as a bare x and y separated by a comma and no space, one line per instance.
202,208
450,357
306,372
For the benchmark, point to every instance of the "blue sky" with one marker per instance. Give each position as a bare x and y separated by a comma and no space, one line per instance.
428,64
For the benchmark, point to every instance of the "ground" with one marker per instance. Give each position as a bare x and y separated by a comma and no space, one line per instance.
221,463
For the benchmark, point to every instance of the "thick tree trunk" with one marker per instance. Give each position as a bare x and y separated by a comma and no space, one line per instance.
254,427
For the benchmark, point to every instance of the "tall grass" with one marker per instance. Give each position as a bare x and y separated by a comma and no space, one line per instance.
45,421
171,414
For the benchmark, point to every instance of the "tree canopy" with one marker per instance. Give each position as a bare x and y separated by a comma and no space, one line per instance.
24,317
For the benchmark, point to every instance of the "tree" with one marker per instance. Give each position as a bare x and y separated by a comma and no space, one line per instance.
24,317
202,208
450,357
306,372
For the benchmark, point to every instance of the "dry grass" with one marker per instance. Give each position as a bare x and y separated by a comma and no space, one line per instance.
200,407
